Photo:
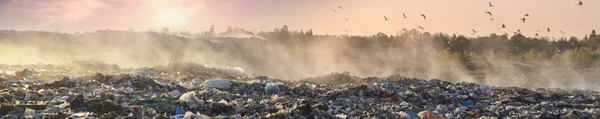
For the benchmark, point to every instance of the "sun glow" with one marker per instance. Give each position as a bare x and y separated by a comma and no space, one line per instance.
170,18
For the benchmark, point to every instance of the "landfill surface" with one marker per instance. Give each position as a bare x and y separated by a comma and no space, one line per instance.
196,91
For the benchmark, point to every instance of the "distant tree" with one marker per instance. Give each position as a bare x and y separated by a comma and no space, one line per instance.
284,29
454,36
239,30
593,34
381,36
211,31
165,30
187,33
460,44
229,30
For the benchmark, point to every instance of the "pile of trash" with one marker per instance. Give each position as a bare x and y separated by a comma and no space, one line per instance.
186,92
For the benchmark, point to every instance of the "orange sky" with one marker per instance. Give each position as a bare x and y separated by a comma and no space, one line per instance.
365,16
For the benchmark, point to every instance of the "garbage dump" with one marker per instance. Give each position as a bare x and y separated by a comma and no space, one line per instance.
179,91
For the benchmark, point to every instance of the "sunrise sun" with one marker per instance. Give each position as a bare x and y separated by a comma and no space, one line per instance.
170,18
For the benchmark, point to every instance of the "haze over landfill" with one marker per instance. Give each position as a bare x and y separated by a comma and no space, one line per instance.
503,40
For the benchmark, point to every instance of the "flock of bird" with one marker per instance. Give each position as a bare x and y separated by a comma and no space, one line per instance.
522,19
385,18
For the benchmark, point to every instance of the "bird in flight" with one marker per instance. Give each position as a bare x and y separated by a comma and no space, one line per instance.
548,29
503,26
492,19
562,32
340,7
580,3
404,15
536,34
474,31
335,11
385,18
519,30
423,15
404,29
490,4
347,19
523,19
526,15
420,27
490,13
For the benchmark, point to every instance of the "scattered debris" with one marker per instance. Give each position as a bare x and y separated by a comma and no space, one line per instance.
218,83
142,93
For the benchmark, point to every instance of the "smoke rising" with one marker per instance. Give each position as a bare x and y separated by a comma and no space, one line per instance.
291,57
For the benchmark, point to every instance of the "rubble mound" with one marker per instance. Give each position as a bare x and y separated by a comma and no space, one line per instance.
203,92
334,78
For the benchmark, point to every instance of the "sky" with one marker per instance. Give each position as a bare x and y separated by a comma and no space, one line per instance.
365,16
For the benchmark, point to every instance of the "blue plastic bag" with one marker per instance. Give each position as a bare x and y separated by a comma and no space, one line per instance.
179,112
467,103
413,115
